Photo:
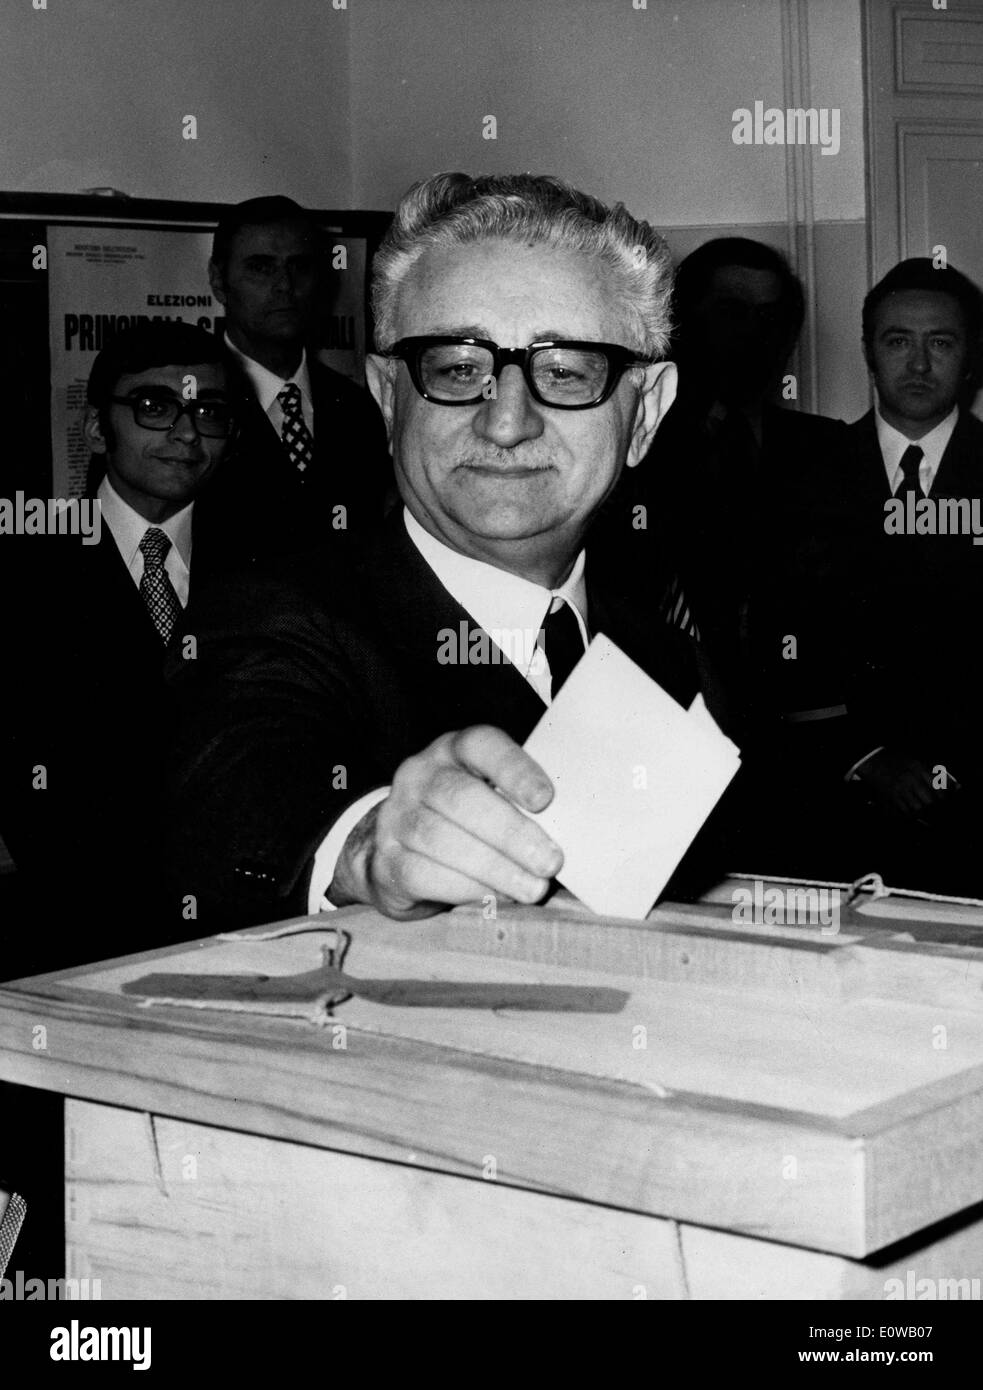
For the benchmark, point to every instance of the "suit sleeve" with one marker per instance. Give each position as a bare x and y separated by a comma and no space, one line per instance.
270,751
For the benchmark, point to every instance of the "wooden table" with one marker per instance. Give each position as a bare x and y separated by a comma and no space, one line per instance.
768,1112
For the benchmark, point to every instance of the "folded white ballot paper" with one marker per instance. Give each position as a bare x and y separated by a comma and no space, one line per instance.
636,776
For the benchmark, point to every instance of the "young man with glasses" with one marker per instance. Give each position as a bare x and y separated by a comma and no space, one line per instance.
332,753
83,750
160,423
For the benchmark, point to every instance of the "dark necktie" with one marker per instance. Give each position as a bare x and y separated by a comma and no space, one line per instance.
910,460
562,642
156,588
296,436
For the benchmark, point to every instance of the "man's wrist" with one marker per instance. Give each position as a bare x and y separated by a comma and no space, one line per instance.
353,872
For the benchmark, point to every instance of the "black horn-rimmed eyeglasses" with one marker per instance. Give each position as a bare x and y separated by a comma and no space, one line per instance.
564,373
211,417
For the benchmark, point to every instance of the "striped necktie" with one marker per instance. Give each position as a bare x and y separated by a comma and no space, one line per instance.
296,436
156,588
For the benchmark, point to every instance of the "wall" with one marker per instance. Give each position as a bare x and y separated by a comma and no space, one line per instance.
634,105
347,107
618,99
93,92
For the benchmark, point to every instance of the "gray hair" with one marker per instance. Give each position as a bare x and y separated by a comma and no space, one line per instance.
533,209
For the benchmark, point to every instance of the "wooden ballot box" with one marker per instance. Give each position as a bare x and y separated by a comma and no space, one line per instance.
739,1098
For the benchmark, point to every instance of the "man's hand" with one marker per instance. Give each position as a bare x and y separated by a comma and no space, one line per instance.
900,783
444,835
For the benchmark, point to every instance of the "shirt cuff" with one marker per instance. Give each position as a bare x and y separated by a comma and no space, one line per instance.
329,851
852,774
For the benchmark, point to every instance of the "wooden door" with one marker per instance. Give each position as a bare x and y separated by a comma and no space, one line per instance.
924,84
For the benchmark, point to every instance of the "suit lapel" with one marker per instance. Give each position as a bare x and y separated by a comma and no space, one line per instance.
423,622
662,653
262,439
117,595
457,679
216,546
871,475
960,471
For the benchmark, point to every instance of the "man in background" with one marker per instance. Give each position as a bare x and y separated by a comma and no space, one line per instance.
82,753
736,509
737,471
918,592
312,457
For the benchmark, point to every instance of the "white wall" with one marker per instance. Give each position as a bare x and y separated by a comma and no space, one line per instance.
345,108
631,104
837,80
92,93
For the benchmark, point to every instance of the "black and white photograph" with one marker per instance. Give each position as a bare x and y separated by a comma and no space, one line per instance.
491,744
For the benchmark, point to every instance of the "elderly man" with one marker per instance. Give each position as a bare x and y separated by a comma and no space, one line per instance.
339,746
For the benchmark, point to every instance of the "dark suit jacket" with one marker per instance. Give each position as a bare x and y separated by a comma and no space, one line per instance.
748,529
916,651
277,511
87,701
310,688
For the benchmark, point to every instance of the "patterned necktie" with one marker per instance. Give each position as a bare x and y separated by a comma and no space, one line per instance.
910,460
156,588
562,642
674,609
296,436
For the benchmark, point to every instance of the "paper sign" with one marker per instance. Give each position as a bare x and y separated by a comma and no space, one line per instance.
635,777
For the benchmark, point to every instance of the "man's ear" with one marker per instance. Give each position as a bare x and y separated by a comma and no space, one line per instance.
217,281
92,431
867,355
381,381
659,382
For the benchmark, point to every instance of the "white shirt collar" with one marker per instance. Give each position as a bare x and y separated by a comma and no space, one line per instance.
933,445
501,602
266,384
128,527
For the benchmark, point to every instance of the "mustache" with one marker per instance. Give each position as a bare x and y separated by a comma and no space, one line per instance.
505,459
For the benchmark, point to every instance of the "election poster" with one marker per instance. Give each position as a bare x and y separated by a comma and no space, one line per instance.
340,339
101,281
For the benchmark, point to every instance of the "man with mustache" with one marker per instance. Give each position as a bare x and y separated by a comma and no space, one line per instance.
915,702
340,744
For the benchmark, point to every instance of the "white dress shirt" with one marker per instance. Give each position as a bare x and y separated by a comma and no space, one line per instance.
128,529
512,611
933,445
267,386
